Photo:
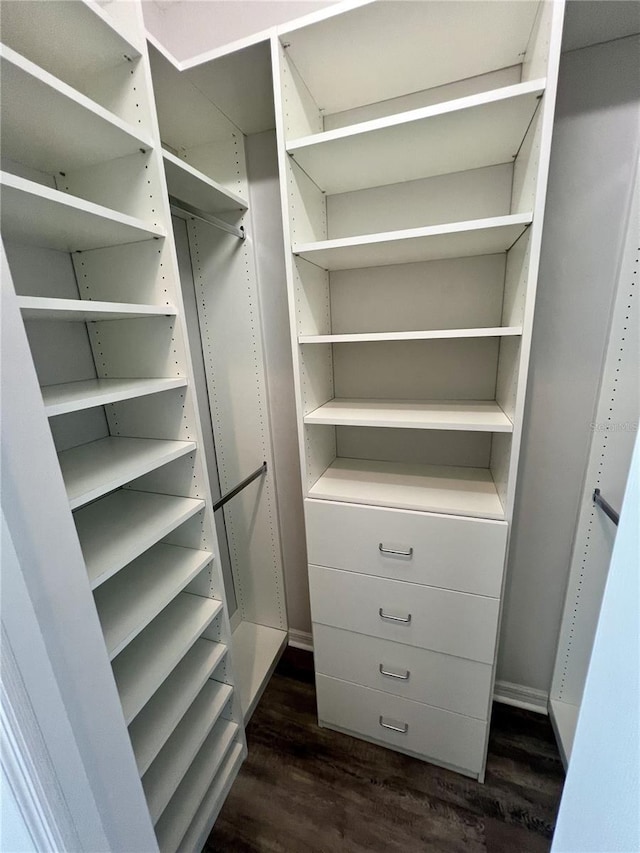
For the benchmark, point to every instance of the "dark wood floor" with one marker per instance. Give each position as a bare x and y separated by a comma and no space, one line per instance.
309,790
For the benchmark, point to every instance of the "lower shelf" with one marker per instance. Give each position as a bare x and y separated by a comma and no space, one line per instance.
564,719
427,488
256,651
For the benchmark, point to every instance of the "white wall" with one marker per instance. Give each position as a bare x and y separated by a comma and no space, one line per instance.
596,139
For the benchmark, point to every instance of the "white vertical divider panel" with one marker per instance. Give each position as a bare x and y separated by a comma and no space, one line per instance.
229,316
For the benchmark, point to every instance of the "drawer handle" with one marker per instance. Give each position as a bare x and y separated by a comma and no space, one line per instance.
406,619
386,672
403,730
383,550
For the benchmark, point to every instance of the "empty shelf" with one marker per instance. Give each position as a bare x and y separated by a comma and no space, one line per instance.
120,527
467,133
428,243
85,311
256,652
49,126
40,216
162,713
167,771
478,415
429,488
188,184
74,396
201,776
428,335
129,601
145,663
91,470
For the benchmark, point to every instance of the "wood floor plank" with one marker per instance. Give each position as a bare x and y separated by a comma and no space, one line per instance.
304,789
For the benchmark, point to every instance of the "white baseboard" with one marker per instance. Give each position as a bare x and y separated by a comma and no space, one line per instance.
300,640
521,697
505,691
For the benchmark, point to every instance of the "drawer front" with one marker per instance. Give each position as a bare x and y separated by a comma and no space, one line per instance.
428,732
463,554
455,623
444,681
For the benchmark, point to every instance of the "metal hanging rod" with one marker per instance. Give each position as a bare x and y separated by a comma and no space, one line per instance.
187,211
226,498
606,507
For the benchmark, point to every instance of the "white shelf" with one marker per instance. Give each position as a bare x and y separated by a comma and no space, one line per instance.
188,184
467,133
40,216
49,126
71,40
256,652
427,488
167,771
129,601
91,470
142,667
184,804
428,335
411,245
117,529
473,415
152,727
85,394
564,717
84,311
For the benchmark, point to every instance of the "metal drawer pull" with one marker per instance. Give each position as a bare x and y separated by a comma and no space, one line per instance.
406,619
404,677
384,550
403,730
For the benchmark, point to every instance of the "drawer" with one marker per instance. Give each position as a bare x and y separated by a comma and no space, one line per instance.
444,681
430,733
464,554
455,623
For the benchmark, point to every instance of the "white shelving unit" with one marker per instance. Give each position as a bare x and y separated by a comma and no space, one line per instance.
94,284
413,178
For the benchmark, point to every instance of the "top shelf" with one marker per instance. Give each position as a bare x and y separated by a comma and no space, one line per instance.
188,184
73,40
467,133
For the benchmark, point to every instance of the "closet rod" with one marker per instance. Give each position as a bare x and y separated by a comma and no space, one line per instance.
225,498
606,507
186,211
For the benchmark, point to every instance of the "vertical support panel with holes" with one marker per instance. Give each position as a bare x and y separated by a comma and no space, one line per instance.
614,431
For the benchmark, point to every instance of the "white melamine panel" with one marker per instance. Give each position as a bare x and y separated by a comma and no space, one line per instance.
159,717
167,771
188,184
564,719
212,771
430,733
430,488
469,133
130,600
39,216
466,555
120,527
71,40
256,651
73,396
454,623
82,311
470,415
132,273
442,681
459,239
91,470
142,667
377,53
50,127
427,335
